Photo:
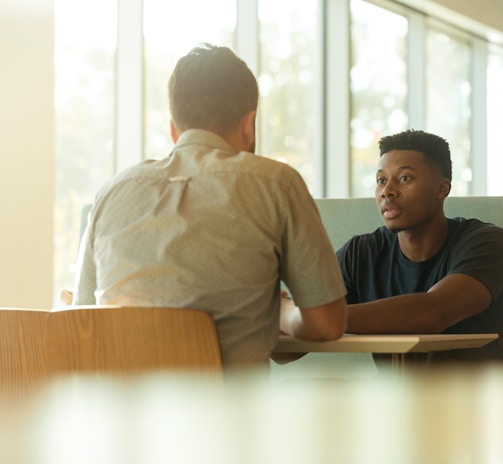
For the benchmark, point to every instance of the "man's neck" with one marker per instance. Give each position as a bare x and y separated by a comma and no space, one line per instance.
422,243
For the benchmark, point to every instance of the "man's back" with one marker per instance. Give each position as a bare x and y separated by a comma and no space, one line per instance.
208,229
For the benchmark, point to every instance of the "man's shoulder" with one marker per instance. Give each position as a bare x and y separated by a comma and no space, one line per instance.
464,226
475,235
261,171
265,165
122,180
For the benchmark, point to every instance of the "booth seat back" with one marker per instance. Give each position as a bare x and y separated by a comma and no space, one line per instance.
345,217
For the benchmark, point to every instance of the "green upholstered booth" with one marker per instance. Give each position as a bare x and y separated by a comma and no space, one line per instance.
345,217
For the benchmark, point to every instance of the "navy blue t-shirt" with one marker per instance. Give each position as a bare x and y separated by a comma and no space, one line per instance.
374,267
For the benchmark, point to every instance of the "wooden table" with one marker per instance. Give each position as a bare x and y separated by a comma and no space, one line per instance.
396,345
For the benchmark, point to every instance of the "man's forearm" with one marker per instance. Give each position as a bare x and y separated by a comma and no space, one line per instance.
325,322
450,300
410,313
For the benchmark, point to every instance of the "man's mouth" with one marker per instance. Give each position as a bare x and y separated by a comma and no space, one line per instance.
390,212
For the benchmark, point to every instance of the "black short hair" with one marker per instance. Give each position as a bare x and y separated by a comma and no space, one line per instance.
211,88
435,148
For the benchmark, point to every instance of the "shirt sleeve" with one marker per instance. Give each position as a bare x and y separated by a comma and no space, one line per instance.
85,278
308,264
479,254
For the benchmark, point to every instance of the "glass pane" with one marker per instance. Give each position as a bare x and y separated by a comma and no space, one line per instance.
448,112
84,55
495,121
378,87
168,35
288,119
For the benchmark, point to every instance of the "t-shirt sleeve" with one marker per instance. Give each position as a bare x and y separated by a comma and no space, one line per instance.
308,264
479,254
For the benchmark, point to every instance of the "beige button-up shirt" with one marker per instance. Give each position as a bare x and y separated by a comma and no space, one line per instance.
209,229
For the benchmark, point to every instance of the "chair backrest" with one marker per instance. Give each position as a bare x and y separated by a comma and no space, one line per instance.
124,340
23,354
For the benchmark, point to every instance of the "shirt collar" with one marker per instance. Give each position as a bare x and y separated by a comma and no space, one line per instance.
203,137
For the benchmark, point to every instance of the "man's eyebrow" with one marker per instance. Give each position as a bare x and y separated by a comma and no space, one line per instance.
401,168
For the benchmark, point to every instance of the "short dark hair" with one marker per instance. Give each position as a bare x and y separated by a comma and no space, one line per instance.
211,88
435,148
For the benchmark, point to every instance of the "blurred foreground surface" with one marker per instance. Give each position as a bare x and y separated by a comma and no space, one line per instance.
441,416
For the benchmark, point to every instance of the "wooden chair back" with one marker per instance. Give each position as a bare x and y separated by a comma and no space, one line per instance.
119,339
23,354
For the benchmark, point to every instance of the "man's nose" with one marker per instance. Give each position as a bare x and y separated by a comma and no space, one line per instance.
389,190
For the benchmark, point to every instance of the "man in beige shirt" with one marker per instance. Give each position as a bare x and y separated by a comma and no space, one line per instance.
214,226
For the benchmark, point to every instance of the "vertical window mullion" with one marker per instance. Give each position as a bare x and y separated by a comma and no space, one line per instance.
247,39
320,147
337,94
129,96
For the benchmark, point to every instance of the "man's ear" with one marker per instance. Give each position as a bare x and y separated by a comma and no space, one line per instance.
445,187
173,131
248,129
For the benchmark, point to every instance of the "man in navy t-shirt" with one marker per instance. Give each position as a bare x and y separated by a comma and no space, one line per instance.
422,272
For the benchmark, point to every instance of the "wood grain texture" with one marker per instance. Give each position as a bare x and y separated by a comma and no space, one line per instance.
119,339
23,352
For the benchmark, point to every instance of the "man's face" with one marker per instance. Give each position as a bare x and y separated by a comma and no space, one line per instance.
409,190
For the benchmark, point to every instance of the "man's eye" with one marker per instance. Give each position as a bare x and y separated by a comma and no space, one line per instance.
380,180
404,178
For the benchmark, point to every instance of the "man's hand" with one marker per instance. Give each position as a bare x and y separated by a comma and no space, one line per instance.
318,323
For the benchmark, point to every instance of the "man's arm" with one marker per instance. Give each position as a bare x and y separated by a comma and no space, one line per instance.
85,276
319,323
450,300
